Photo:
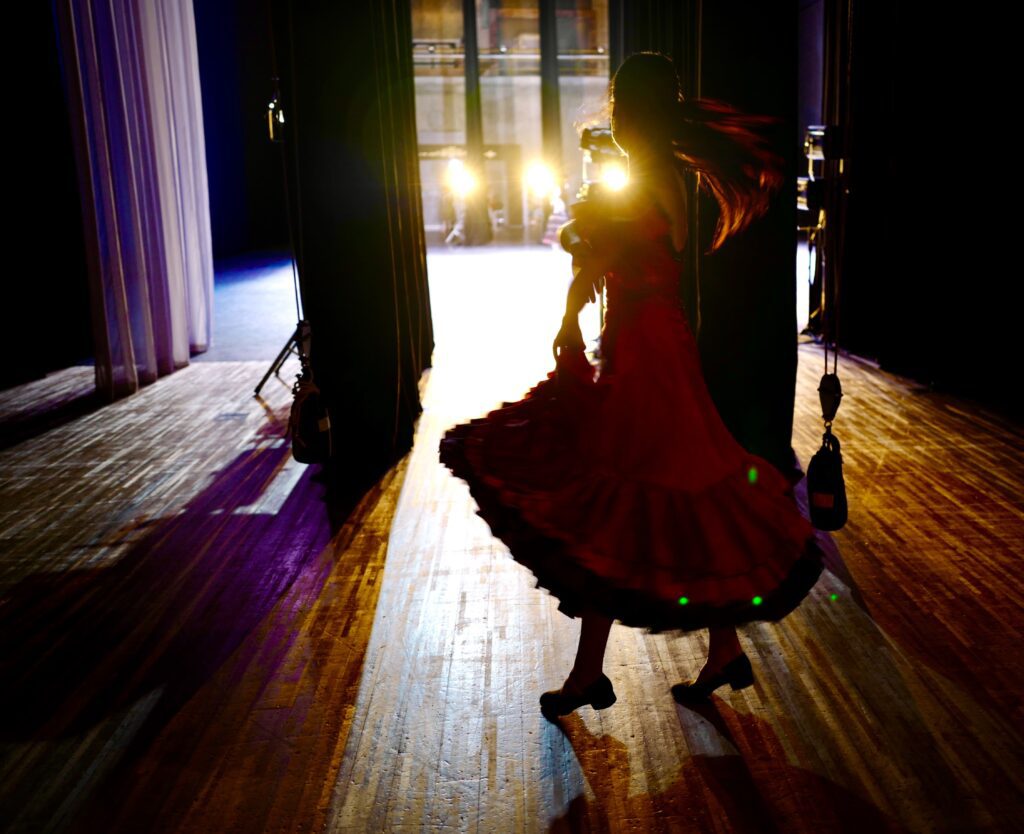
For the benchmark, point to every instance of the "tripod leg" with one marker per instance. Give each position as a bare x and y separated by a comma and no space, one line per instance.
276,366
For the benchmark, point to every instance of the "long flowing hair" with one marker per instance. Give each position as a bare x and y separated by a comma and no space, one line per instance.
729,149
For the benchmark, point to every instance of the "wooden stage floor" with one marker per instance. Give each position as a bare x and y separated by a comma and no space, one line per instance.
189,644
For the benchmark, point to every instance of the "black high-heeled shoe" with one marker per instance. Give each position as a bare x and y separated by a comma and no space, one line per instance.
598,694
737,673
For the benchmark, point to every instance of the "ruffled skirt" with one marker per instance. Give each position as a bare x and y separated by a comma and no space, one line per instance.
625,494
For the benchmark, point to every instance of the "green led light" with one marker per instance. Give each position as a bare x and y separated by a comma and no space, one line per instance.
752,474
756,600
833,596
683,600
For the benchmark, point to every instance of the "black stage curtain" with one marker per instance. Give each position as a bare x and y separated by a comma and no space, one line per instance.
927,277
741,301
347,78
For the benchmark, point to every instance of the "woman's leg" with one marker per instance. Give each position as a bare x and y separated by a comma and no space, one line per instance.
723,646
590,653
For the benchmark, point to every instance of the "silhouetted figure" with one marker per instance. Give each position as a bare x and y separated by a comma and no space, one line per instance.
625,494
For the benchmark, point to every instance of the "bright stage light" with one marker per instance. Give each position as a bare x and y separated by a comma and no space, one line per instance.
460,180
540,180
614,176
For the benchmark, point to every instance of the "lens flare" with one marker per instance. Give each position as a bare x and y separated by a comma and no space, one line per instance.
460,180
540,180
614,176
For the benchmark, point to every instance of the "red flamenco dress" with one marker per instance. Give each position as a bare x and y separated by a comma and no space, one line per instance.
618,486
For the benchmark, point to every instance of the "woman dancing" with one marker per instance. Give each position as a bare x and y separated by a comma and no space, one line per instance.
625,494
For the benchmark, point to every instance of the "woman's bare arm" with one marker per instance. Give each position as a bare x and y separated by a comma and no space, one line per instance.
588,273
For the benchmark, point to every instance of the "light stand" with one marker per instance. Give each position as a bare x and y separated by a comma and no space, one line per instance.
299,342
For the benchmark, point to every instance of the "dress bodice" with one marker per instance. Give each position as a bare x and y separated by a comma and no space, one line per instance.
632,236
631,233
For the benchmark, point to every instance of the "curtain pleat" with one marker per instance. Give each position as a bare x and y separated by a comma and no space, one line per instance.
354,193
392,32
132,79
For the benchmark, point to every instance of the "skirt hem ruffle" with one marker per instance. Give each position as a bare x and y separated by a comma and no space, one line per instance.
562,565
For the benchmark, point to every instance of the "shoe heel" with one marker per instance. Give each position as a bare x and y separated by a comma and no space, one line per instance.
599,695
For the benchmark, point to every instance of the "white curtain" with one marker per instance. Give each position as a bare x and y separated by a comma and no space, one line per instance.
131,72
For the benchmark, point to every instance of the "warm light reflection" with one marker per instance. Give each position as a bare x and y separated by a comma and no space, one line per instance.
460,180
540,180
614,176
